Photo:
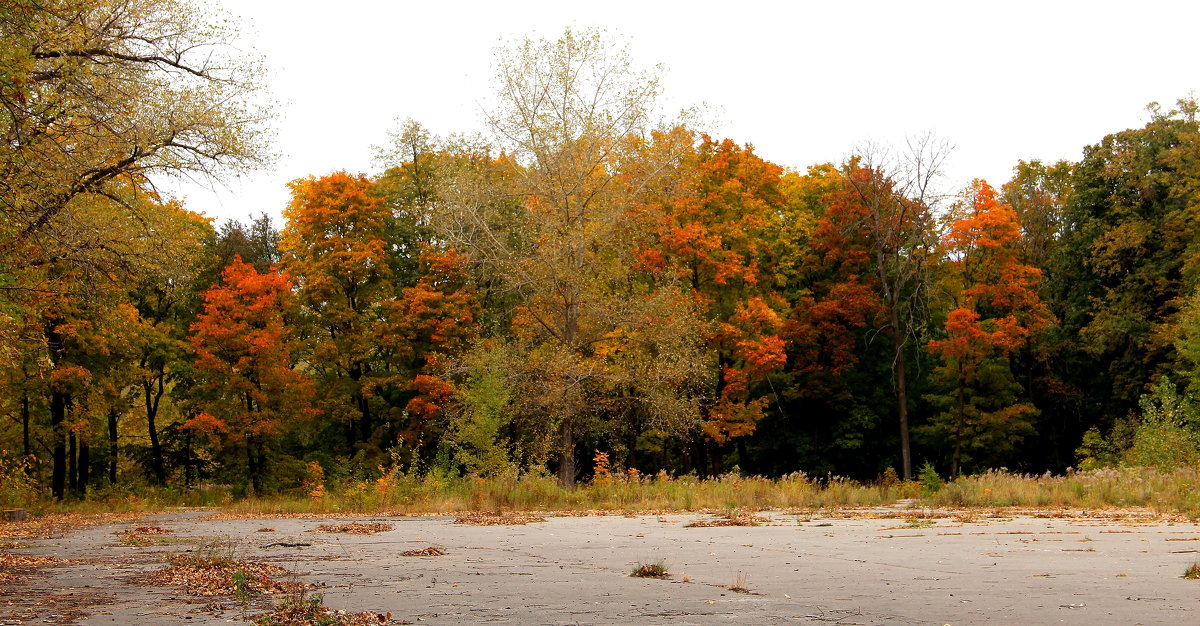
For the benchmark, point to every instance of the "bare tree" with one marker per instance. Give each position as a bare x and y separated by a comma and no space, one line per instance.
898,195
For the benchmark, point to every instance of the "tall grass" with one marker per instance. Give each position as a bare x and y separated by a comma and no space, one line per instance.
1161,491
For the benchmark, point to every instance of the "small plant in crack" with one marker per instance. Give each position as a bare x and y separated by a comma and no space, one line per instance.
657,569
1192,572
739,584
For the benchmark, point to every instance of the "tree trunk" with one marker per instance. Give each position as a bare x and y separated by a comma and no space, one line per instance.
84,467
959,424
566,456
58,414
153,397
112,446
900,366
72,468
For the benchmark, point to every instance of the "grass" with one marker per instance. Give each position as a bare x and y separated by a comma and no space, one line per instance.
658,569
1192,572
1168,492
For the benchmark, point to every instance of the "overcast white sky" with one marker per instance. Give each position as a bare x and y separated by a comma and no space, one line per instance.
803,81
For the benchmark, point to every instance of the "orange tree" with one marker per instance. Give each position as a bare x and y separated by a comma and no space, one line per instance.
335,244
996,310
712,234
248,390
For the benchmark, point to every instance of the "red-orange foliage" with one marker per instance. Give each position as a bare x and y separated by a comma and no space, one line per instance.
714,235
249,389
997,306
825,326
435,316
997,310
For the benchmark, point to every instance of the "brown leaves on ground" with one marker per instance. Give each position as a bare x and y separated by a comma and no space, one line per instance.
483,518
58,524
742,519
218,576
143,535
430,551
307,610
12,565
355,528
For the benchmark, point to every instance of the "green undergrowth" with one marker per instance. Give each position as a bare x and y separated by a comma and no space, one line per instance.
1161,491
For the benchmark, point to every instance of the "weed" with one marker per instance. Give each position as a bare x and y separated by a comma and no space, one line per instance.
1192,572
299,608
739,584
430,551
241,589
657,569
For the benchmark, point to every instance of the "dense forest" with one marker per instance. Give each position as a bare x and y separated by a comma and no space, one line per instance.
582,280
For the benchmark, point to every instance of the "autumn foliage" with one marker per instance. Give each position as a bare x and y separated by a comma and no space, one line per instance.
586,292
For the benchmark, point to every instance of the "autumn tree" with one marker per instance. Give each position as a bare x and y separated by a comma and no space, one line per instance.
335,244
887,216
249,390
712,231
995,311
102,92
564,110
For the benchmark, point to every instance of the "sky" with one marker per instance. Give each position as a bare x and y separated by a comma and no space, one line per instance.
804,82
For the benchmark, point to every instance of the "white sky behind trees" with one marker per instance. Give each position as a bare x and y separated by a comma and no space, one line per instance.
804,82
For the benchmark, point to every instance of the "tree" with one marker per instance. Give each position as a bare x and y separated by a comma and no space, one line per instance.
887,217
335,244
565,113
100,91
250,390
1128,260
713,231
996,311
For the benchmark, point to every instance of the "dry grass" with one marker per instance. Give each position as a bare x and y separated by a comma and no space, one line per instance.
1162,492
355,528
1192,572
430,551
657,569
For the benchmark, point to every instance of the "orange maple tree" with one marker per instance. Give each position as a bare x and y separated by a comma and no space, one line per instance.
713,234
996,311
249,390
335,243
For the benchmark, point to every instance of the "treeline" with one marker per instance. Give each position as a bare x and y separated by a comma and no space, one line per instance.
589,280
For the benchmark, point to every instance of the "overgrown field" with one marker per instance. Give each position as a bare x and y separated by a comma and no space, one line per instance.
1167,492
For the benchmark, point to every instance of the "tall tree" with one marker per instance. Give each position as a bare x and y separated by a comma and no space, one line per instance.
1128,259
250,390
712,231
564,111
889,217
996,311
99,92
335,244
